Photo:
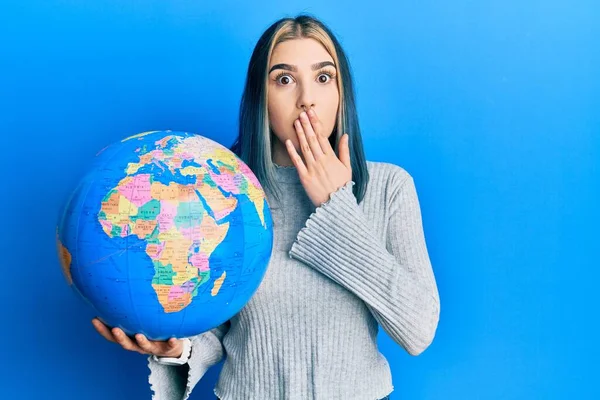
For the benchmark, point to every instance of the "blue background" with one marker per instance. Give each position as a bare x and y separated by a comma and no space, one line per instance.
492,106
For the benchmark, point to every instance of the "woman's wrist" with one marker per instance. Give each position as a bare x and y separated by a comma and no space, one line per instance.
183,358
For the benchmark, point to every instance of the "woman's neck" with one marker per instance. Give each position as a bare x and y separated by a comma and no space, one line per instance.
281,156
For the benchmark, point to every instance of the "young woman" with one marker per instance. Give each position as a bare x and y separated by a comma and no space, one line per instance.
349,250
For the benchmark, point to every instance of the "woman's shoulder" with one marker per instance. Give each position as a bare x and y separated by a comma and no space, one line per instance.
386,181
392,175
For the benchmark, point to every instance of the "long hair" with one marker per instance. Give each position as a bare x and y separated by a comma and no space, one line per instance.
255,139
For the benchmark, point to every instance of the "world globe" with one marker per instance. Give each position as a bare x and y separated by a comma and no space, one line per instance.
168,234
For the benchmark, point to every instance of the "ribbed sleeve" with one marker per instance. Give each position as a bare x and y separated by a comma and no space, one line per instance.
393,277
169,382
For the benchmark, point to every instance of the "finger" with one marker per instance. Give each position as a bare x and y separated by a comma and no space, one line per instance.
125,341
344,151
296,159
325,145
315,122
318,129
304,146
146,345
103,330
311,137
172,344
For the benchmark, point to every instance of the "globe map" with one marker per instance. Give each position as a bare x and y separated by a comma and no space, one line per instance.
168,234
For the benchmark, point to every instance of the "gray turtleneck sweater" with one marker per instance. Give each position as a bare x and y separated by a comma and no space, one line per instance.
336,273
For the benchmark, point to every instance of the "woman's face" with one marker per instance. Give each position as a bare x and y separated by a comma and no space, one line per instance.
301,75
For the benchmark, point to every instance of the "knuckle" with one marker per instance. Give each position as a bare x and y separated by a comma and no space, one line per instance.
146,346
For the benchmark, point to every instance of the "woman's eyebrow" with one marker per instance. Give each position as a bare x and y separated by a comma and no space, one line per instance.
293,68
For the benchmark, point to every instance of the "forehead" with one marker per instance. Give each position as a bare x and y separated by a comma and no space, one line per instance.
300,52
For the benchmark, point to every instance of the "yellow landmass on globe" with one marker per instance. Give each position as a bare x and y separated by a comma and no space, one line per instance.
65,259
118,210
218,284
220,205
213,233
144,228
255,194
257,197
175,304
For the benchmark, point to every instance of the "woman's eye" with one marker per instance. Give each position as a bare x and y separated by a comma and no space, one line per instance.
284,79
324,78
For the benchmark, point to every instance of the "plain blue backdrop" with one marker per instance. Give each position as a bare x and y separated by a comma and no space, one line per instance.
493,106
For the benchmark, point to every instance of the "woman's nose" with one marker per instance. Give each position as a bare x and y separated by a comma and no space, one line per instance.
307,106
306,99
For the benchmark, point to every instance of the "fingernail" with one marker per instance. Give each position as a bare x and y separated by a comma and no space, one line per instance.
311,112
303,115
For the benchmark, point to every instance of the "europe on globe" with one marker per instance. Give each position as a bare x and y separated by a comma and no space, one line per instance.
168,234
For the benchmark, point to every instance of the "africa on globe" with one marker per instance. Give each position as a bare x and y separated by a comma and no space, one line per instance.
168,234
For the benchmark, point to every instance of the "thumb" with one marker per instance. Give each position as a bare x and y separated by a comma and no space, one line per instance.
344,150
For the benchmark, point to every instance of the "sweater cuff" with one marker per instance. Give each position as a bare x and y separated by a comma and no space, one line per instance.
336,240
167,382
340,202
207,350
170,382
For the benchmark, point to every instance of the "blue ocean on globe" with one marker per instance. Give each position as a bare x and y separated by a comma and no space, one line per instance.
168,234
